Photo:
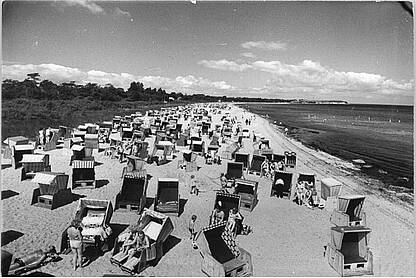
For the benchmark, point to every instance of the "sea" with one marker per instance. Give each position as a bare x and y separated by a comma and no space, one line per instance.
381,135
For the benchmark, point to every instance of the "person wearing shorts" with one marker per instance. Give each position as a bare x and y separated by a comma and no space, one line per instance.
75,242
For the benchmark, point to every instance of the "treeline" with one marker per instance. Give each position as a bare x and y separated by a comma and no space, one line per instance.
33,88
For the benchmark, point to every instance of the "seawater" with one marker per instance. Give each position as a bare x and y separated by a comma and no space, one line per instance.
381,135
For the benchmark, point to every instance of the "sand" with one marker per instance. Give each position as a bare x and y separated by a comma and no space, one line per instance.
288,240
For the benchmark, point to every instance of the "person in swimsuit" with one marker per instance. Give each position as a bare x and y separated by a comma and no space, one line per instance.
142,243
75,242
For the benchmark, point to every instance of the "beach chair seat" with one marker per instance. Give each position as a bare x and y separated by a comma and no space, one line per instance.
119,258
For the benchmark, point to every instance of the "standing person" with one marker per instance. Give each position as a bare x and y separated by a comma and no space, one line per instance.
120,152
192,229
194,188
75,242
44,136
223,181
265,168
40,137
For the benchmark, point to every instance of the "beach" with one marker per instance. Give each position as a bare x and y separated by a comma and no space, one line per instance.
287,239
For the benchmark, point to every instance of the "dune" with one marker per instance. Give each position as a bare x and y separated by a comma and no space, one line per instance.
288,240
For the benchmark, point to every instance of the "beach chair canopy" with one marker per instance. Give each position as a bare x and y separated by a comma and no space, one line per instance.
134,186
78,133
168,190
256,162
243,158
91,136
246,186
76,140
83,164
155,225
98,212
25,147
116,137
235,169
226,202
50,183
166,143
33,158
308,177
352,242
351,205
135,161
286,177
77,148
218,242
278,157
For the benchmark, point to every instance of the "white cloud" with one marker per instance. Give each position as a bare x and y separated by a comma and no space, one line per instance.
264,45
89,5
120,12
248,55
223,65
311,77
57,73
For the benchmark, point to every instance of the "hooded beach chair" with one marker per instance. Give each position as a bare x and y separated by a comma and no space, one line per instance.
226,202
134,164
349,211
132,196
221,257
348,252
95,216
53,191
83,174
234,170
330,187
91,141
33,163
64,132
256,161
78,153
290,159
126,133
282,184
18,151
157,227
244,158
167,196
247,189
198,147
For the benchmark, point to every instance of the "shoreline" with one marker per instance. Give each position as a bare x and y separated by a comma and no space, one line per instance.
389,181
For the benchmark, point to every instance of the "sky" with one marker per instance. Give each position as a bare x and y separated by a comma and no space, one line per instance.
361,52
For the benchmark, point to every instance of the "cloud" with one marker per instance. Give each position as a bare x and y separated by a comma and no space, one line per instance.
223,65
89,5
264,45
58,73
310,77
248,55
120,12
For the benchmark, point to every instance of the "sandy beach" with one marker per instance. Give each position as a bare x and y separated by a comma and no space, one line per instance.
288,240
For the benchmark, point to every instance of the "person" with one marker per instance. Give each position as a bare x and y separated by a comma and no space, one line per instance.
75,242
217,216
48,135
194,188
265,168
279,187
223,181
120,152
44,136
142,242
135,149
191,227
233,217
130,241
280,166
40,137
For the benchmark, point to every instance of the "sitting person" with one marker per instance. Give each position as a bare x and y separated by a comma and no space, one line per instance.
233,217
265,168
129,242
142,243
217,216
223,181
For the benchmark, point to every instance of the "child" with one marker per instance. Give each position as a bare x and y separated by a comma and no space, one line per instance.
192,229
194,188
